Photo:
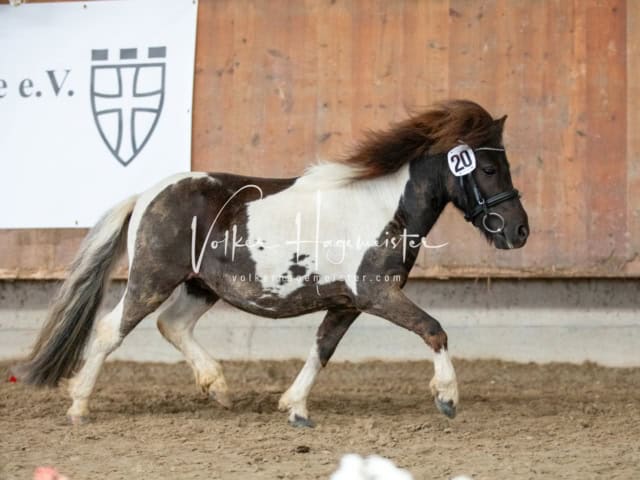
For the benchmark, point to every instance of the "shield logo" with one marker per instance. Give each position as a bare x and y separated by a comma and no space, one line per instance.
127,99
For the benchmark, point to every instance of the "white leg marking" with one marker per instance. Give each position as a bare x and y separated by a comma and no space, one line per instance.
295,398
444,384
176,323
106,338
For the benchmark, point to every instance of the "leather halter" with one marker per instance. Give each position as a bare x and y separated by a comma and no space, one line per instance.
483,205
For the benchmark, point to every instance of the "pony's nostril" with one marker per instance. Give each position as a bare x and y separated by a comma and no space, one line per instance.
523,232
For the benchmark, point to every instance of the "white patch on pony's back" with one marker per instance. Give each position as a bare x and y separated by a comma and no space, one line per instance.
326,175
339,219
146,198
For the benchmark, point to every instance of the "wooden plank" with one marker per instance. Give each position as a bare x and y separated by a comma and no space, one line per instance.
573,236
606,132
424,64
632,264
333,78
213,87
244,134
371,64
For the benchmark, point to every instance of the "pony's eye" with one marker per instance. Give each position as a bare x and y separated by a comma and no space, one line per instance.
489,170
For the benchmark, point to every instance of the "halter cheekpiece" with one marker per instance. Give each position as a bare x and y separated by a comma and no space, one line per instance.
483,205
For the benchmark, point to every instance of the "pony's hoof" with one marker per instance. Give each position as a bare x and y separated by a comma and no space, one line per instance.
301,422
447,408
283,404
223,398
78,419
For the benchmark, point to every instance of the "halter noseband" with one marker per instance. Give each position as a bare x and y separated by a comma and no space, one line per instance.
483,205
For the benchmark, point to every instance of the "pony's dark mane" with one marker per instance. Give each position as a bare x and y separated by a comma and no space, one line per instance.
434,131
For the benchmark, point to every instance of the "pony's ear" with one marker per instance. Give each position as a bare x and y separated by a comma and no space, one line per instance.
499,123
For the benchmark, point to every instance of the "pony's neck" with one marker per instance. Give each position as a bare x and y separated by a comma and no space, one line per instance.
416,192
412,197
425,195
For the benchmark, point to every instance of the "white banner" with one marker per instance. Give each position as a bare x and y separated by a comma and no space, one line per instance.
95,105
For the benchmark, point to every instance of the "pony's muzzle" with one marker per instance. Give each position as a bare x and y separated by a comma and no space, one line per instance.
517,236
509,236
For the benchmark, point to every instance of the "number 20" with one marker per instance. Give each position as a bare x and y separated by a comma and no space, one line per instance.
461,160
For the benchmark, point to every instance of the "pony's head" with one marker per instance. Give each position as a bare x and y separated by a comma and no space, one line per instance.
457,146
487,197
467,142
478,177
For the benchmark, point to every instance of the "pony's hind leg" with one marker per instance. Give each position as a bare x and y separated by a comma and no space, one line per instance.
108,334
106,338
331,330
176,322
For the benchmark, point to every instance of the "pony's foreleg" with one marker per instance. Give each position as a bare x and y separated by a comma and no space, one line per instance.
176,323
395,306
330,332
106,338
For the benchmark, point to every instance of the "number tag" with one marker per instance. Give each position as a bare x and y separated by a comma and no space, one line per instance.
462,160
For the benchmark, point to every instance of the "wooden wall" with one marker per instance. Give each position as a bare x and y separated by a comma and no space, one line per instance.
281,82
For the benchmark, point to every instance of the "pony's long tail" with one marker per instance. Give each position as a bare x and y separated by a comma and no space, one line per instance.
61,342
